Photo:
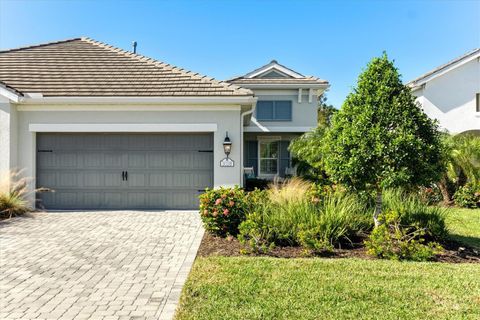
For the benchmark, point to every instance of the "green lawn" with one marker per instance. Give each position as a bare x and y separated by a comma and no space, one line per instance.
272,288
464,226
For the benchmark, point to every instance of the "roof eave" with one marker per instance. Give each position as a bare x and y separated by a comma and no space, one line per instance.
10,93
192,100
285,85
437,72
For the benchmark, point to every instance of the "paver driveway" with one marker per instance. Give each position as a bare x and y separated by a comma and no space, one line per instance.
96,265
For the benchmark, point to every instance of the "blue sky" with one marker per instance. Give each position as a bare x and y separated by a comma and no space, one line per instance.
330,39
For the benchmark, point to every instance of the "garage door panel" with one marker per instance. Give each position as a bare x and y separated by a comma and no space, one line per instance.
137,160
137,180
160,179
69,179
93,160
93,179
160,160
183,160
93,199
67,160
114,160
46,160
165,171
113,200
113,179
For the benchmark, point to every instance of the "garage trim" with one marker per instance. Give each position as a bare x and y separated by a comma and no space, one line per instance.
122,127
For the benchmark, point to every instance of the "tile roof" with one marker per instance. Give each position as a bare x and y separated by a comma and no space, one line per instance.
291,77
85,67
422,78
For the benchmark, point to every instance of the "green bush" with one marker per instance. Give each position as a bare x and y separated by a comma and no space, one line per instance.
415,212
430,195
396,241
255,234
468,196
288,215
223,209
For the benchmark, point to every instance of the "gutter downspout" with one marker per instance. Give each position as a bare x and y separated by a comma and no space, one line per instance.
242,116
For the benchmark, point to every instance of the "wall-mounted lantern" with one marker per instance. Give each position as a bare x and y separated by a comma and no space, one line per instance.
227,145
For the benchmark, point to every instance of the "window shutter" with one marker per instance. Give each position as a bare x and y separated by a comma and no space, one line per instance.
284,157
251,155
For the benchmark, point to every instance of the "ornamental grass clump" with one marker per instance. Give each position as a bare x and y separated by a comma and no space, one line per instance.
290,216
13,194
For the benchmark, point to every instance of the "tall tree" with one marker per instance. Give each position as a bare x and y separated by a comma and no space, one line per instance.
380,138
306,149
325,111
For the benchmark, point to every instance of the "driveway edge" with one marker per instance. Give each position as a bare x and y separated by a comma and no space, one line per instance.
167,312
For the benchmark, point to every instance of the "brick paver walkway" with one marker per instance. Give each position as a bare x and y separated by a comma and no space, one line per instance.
96,265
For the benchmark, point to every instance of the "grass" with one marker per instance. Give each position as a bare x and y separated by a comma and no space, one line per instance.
272,288
464,225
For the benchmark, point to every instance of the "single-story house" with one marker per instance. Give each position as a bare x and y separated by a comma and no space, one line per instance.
450,93
104,128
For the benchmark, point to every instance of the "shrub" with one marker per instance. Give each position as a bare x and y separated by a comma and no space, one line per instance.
222,210
13,193
413,211
255,234
430,195
396,241
288,216
468,196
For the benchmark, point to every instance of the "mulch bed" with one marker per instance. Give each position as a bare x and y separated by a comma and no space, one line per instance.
231,247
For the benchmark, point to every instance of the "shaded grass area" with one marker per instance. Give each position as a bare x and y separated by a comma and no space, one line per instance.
272,288
464,225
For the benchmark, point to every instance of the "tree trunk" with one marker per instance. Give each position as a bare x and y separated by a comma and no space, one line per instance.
443,186
378,207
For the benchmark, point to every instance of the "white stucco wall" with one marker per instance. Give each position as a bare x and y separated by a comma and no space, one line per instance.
227,119
304,114
8,136
450,98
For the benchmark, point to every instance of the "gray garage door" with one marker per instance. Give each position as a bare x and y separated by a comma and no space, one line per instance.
123,171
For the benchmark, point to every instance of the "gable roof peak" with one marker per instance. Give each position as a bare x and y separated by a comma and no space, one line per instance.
452,64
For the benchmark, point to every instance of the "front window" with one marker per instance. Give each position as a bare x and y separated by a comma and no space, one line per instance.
274,110
268,157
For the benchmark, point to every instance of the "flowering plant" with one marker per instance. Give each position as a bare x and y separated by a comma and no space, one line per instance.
222,210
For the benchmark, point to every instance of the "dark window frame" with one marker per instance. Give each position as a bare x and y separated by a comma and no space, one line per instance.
274,103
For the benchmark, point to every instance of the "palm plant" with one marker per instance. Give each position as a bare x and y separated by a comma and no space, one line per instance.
462,163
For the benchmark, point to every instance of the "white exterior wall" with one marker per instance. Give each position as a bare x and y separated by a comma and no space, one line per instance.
304,114
8,136
450,98
226,119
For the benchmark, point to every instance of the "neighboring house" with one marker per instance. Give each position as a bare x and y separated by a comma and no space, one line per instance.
107,128
286,107
451,93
